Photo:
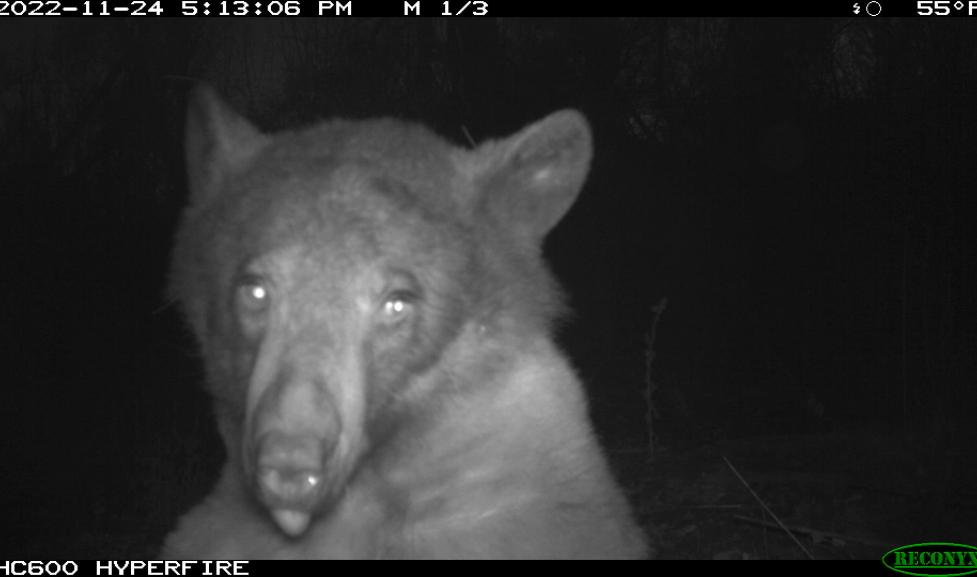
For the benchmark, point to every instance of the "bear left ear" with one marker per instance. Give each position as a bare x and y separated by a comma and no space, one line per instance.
219,142
530,180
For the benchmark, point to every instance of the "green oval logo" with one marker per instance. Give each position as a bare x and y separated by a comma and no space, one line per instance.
929,559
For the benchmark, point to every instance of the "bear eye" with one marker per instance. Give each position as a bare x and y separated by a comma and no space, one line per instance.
398,305
252,294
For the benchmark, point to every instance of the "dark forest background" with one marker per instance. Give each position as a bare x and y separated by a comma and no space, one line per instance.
792,200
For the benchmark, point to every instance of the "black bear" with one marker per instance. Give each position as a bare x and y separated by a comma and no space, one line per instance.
375,316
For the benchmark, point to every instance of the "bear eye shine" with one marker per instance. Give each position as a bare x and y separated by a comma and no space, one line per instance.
397,306
252,295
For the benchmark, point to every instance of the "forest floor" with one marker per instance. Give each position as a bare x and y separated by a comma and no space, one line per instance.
838,496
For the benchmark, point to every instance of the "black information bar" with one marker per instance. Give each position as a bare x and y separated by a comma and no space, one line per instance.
486,8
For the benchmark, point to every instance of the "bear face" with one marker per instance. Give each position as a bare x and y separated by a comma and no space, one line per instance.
374,315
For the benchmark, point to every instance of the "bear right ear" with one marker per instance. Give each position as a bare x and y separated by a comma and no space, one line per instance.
530,180
219,142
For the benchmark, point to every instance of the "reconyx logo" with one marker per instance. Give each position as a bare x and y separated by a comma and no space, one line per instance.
929,559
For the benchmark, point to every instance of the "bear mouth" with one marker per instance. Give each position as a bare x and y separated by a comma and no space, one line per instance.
292,523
